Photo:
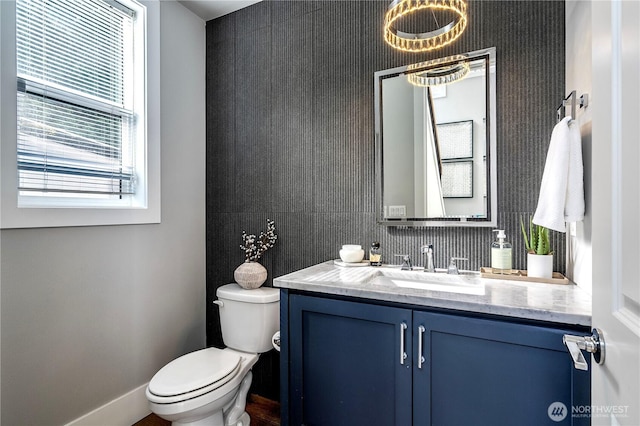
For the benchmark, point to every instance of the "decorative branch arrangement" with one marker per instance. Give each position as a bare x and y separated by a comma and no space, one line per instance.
254,247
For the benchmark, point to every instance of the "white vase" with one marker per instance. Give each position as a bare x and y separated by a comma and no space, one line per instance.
540,265
250,275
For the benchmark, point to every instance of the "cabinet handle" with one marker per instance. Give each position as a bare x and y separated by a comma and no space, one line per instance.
403,354
421,359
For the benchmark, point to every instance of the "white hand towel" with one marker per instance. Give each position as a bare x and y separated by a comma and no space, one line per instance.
561,196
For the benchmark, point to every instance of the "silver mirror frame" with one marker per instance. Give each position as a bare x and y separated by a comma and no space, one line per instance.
492,187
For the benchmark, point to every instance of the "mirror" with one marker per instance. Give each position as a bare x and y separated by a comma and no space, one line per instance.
436,142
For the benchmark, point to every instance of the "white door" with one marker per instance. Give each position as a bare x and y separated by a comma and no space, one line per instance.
616,210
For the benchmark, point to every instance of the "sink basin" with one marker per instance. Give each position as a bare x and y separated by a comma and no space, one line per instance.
467,282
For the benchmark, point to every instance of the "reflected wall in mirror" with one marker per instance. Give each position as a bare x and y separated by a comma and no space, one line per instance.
436,142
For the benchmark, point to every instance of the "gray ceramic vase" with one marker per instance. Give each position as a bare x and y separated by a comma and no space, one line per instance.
250,275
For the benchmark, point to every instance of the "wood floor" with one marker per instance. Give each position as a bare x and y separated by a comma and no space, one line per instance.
263,412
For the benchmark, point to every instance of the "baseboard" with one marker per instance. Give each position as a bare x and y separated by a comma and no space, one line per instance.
122,411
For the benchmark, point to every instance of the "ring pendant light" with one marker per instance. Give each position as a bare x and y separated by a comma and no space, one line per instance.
423,42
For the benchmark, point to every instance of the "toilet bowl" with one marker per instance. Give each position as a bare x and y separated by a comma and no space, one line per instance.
180,394
210,386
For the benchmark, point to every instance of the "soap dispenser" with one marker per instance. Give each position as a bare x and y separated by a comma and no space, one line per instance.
375,254
501,257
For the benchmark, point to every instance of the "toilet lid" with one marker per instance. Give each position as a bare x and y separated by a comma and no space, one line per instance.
194,371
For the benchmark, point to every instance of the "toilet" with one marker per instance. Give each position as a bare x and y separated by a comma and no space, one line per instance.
210,386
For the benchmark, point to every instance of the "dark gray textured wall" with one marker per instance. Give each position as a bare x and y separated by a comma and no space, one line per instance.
290,130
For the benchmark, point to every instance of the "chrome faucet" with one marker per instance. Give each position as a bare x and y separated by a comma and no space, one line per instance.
453,268
406,262
428,250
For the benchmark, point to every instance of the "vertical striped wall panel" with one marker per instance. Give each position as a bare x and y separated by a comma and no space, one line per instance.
290,133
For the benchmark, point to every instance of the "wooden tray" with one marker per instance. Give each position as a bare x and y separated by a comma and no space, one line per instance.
518,275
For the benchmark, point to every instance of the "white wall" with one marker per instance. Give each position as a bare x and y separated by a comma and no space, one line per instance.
578,77
398,153
466,100
91,313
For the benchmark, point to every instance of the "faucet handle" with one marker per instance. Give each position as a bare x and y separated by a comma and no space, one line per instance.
406,262
453,267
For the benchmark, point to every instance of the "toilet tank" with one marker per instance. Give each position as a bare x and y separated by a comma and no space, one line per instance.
249,318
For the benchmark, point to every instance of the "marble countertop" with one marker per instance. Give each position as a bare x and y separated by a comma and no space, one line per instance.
557,303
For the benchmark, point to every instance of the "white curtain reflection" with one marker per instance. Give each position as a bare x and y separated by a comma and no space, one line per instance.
429,161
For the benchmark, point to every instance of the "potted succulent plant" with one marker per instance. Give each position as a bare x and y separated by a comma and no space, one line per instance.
538,246
251,274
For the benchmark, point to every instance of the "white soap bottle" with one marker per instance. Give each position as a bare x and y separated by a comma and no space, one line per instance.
501,256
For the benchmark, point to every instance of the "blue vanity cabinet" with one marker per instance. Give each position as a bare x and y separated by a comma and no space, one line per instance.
489,372
342,362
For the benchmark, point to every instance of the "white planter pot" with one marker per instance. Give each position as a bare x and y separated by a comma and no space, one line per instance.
540,265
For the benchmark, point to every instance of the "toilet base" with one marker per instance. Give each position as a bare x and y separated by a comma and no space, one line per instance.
217,420
244,420
213,420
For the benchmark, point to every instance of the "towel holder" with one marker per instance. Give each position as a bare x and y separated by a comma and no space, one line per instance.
571,100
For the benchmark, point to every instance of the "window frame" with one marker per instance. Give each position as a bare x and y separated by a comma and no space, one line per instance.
18,211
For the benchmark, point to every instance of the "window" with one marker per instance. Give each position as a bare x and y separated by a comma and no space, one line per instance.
81,121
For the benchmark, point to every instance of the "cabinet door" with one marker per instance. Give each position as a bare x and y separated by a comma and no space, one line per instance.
345,363
486,372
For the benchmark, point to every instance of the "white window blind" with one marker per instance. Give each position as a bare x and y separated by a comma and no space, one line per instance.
76,120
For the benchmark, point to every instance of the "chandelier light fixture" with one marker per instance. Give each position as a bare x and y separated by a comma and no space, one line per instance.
423,42
440,71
